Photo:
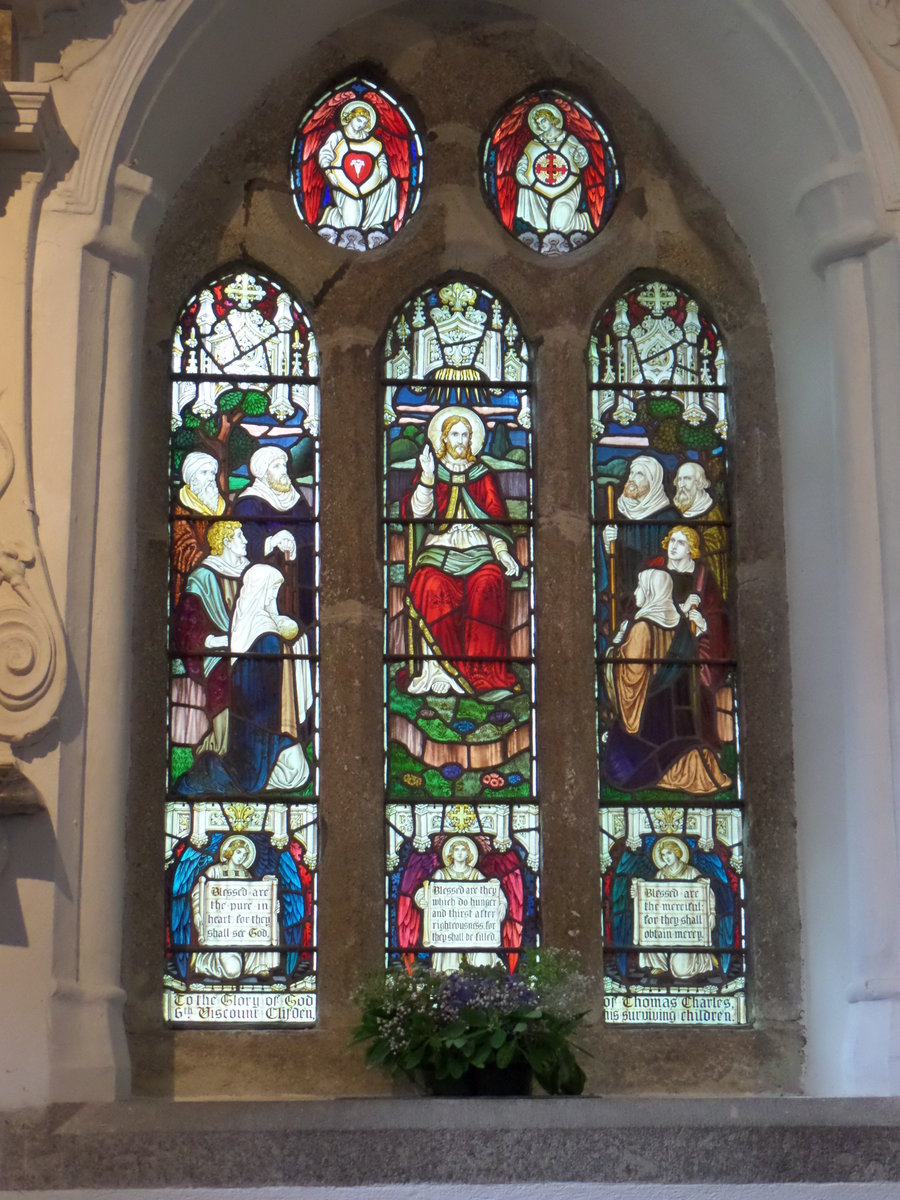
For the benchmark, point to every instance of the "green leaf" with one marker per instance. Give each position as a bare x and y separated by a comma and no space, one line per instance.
229,401
254,404
506,1054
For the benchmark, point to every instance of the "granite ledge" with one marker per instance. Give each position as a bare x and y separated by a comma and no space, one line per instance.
159,1143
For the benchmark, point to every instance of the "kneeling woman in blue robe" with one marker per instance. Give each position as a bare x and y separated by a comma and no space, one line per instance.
271,693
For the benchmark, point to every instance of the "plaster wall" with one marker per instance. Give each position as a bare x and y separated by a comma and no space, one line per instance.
809,183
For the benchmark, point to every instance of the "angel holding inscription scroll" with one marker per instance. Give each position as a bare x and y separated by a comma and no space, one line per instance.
236,855
280,888
464,862
672,859
697,915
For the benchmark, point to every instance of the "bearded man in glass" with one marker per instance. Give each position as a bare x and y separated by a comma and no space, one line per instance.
462,558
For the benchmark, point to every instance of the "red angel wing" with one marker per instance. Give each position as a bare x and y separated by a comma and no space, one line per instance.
507,868
314,134
394,133
594,174
509,139
409,917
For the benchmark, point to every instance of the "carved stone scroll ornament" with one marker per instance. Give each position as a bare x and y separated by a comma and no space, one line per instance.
30,683
880,23
34,151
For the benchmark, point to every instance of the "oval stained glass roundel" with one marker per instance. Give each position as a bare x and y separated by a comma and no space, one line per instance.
356,166
549,172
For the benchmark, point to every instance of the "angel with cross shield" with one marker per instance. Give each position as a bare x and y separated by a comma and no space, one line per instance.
550,172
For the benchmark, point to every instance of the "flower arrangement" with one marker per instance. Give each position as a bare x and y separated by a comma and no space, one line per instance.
454,1026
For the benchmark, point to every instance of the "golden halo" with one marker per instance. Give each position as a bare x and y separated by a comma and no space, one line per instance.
351,106
668,840
451,842
550,109
456,410
238,837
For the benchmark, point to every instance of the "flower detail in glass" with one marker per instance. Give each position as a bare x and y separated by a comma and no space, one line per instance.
671,810
242,814
356,166
549,172
463,860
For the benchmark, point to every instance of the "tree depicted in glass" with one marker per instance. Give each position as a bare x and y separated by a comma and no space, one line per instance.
463,858
356,166
670,806
241,813
549,172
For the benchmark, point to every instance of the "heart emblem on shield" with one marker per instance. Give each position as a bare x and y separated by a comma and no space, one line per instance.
358,165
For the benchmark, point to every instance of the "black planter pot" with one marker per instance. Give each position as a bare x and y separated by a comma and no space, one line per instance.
514,1080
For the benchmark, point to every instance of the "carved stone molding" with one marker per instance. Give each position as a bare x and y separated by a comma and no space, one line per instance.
839,215
880,23
137,45
30,125
32,661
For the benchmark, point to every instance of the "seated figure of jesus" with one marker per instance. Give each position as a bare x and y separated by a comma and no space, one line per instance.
458,590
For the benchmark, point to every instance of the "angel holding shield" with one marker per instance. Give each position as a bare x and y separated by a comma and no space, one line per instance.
553,172
354,168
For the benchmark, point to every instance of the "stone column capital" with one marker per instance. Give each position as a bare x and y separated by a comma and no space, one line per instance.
840,215
31,135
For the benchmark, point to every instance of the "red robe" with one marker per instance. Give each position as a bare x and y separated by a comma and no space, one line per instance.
463,615
715,645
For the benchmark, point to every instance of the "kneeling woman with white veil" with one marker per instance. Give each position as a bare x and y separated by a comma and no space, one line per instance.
664,735
271,694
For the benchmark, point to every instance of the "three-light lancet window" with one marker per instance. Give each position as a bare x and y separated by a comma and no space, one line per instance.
461,802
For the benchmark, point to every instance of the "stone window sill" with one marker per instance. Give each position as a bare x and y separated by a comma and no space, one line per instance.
158,1143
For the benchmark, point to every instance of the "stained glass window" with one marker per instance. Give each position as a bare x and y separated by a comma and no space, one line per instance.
671,806
463,848
241,829
549,172
356,166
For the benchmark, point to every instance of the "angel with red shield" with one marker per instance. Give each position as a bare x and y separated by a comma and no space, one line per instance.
355,168
551,164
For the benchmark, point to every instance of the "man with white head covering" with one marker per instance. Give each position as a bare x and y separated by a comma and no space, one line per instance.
664,735
645,516
280,529
199,499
